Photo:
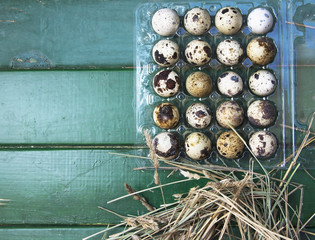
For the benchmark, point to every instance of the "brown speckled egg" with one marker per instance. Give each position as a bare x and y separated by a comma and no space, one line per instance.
262,83
229,145
199,84
166,83
166,145
198,115
229,52
198,146
165,53
166,115
230,84
261,113
228,20
165,22
263,144
230,112
261,50
197,21
198,52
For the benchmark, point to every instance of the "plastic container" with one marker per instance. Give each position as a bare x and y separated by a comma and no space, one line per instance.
282,97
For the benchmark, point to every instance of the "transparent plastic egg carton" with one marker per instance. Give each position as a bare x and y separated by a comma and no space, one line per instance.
146,68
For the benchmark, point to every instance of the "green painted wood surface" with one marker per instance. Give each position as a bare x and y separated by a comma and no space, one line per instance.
67,107
54,191
66,34
65,187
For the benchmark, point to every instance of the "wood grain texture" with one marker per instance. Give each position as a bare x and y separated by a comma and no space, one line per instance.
68,107
66,34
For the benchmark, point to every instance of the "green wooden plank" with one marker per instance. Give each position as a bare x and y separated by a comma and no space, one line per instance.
58,233
66,34
67,107
65,187
49,233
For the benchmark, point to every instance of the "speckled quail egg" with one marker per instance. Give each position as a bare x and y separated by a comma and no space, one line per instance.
261,113
165,53
260,21
230,112
230,84
229,145
166,115
229,52
198,115
198,52
197,21
262,83
166,145
261,50
199,84
165,22
228,20
263,144
166,83
198,146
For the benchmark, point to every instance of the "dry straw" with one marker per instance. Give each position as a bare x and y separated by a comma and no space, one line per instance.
233,204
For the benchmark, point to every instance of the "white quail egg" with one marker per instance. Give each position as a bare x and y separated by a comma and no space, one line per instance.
261,50
198,52
166,115
165,53
197,21
228,20
263,144
260,21
165,22
198,115
229,145
230,84
261,113
229,52
262,83
230,112
166,83
198,146
199,84
166,146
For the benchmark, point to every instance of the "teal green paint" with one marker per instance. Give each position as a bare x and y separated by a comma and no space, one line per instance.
72,107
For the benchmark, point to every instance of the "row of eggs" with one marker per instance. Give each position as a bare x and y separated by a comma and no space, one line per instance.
260,113
166,83
198,146
260,50
197,21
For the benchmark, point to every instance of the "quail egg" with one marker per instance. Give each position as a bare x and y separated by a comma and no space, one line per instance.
166,146
197,21
199,84
228,20
198,146
165,22
198,52
263,144
165,53
230,112
166,83
261,113
230,84
262,83
229,52
229,145
260,21
166,115
261,50
198,115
